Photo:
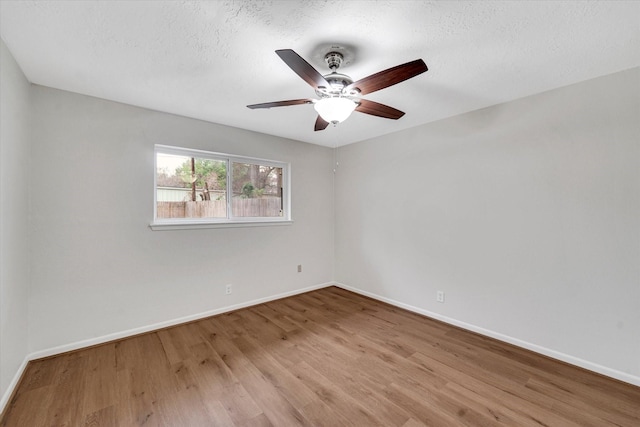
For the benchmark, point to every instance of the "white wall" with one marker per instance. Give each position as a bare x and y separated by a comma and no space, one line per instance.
97,267
14,210
526,214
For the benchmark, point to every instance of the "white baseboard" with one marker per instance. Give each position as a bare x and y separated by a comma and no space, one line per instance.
160,325
140,330
13,384
612,373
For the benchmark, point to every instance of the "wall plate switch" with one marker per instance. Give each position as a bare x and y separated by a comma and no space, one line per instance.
440,296
228,289
299,268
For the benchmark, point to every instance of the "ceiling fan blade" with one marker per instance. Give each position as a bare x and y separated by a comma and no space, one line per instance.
302,68
280,103
377,109
321,124
389,77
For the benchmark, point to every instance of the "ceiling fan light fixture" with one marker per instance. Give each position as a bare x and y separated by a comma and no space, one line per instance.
339,94
336,109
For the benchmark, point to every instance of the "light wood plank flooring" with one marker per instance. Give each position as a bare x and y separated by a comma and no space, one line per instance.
324,358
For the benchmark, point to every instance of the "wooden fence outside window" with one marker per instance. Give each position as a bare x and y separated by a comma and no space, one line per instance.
257,207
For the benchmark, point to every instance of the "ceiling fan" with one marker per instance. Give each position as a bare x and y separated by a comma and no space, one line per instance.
339,94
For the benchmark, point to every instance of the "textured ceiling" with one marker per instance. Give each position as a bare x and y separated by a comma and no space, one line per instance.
209,59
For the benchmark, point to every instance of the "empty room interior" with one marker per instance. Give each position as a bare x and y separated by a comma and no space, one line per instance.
358,213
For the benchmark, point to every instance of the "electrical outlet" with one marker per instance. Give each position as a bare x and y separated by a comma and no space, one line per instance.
440,296
299,268
228,289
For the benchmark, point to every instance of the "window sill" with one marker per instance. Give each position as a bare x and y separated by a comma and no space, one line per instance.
194,225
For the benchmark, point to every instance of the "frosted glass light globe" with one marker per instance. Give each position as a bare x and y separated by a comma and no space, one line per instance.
335,110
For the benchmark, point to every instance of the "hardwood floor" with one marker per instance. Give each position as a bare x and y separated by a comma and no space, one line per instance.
325,358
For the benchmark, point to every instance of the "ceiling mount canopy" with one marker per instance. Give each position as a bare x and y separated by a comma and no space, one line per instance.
338,94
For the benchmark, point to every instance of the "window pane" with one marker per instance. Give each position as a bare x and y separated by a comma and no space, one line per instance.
257,190
196,188
190,187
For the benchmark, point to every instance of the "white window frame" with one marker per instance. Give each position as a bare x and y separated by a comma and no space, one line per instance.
230,220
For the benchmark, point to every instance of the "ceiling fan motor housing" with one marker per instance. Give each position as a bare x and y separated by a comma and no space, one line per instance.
337,81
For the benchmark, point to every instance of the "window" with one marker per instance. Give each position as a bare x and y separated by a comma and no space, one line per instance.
196,188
